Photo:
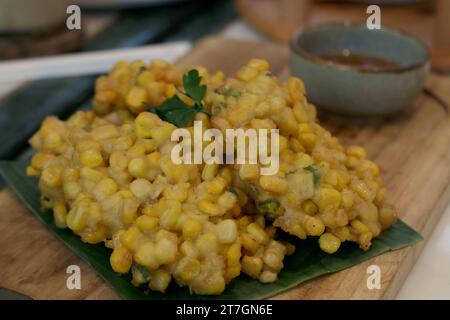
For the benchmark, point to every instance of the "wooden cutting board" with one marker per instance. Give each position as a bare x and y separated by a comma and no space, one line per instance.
412,150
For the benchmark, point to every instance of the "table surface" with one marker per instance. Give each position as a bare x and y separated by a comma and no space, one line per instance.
430,277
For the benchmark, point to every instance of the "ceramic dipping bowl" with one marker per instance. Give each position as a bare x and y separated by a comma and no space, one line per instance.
353,89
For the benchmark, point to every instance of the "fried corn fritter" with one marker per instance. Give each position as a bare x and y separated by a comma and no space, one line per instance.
107,175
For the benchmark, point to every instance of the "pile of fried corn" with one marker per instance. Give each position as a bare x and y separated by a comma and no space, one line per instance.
108,176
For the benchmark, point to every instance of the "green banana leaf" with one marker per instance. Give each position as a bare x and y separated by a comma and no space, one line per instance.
308,261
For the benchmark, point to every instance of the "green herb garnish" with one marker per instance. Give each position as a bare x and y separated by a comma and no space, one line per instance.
233,190
194,90
175,110
228,92
290,172
221,90
271,208
217,108
315,172
144,271
233,93
141,69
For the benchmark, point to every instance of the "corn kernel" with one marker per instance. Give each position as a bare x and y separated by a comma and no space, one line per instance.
227,200
249,243
273,184
77,218
362,190
206,244
141,188
160,280
247,73
259,64
234,255
210,208
188,268
166,251
170,216
191,228
188,248
217,185
91,174
309,207
296,89
273,260
343,233
91,158
329,243
308,140
104,188
136,98
145,77
146,255
356,152
226,231
249,171
51,176
209,171
300,114
290,248
313,226
352,162
129,238
146,223
328,199
388,216
32,172
257,232
178,192
71,189
145,122
97,236
70,174
359,226
137,167
162,134
85,145
268,276
121,260
129,210
252,266
365,240
60,215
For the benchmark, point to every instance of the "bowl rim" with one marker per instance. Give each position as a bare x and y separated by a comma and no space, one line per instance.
297,49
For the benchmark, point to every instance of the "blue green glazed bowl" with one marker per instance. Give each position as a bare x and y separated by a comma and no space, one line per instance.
353,90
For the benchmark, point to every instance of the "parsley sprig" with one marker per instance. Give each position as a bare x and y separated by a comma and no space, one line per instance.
144,271
315,172
175,110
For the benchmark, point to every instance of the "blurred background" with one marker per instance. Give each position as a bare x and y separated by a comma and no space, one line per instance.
36,28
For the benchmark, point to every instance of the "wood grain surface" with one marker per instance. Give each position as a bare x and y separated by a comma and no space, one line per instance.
412,150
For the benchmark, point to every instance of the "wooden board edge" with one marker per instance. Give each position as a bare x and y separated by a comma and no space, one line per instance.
408,262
